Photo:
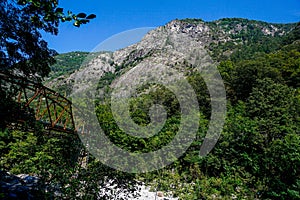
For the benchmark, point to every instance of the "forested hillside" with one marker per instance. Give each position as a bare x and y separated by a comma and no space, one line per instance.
258,153
67,63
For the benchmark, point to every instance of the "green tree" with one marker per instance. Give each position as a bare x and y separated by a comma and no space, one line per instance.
53,156
276,108
21,46
282,163
22,49
248,72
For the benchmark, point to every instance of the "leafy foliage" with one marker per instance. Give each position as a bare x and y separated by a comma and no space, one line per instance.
256,157
22,47
251,159
66,63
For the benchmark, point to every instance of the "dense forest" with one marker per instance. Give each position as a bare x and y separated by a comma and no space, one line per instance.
256,157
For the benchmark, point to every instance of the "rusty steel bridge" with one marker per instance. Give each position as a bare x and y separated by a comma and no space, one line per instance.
50,108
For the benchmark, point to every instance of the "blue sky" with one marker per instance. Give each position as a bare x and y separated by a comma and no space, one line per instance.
114,17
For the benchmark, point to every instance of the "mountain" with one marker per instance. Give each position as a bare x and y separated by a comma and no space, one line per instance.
256,156
224,39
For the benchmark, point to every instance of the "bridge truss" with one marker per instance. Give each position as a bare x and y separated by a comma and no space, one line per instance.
53,110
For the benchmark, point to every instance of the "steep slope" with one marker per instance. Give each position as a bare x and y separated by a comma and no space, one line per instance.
256,156
222,39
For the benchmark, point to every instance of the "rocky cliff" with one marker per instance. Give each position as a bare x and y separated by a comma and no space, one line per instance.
173,43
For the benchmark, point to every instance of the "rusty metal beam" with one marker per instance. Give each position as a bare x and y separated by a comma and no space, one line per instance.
46,103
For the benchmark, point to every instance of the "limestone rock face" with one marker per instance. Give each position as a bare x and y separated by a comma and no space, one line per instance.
171,45
168,45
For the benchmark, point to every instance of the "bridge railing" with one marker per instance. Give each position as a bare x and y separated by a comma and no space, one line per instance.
48,106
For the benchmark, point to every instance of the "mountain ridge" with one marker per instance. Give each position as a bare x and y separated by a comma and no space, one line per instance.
222,39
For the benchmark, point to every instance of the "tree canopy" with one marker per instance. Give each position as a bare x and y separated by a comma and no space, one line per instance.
22,49
256,157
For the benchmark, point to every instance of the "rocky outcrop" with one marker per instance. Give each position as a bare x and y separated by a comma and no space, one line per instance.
22,186
170,45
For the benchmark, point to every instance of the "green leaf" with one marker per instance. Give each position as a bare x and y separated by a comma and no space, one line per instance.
92,16
84,21
74,17
68,18
81,15
59,10
22,2
76,23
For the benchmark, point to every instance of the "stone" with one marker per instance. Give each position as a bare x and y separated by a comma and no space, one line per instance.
160,194
22,186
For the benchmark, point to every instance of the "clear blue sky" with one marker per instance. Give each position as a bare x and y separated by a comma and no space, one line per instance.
114,16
